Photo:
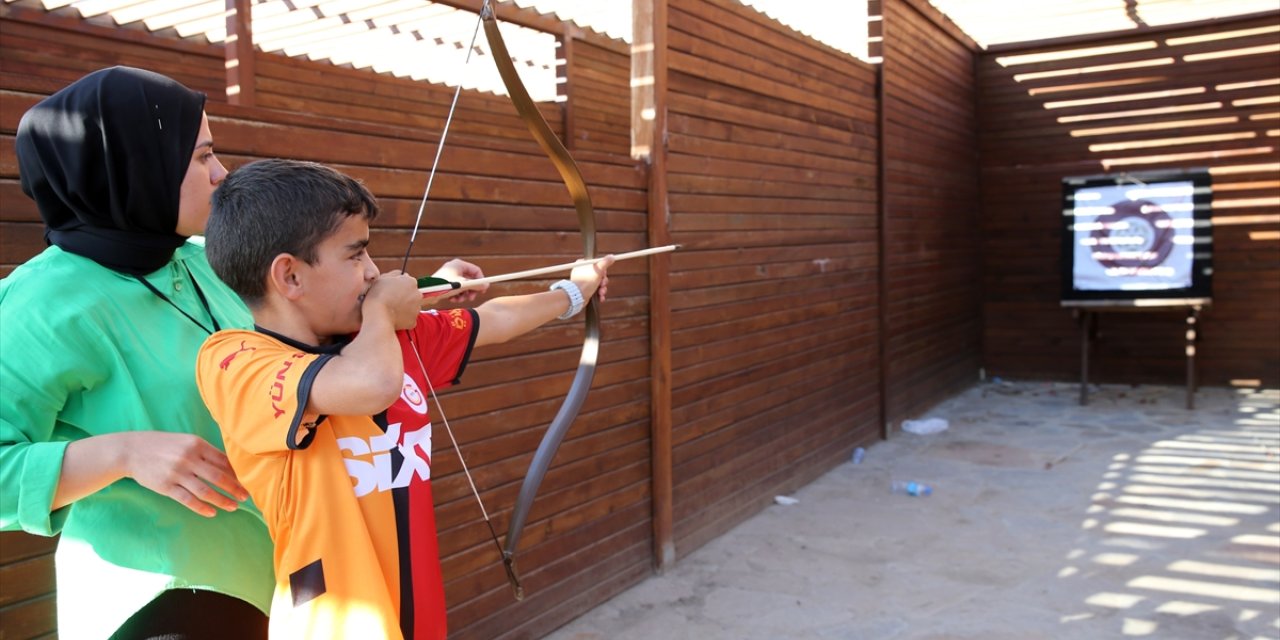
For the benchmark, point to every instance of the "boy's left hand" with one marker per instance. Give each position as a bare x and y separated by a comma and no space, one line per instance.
457,270
593,278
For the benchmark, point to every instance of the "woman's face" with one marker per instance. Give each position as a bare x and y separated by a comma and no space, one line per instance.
204,174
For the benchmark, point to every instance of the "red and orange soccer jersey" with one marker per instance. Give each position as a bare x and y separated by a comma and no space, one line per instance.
347,499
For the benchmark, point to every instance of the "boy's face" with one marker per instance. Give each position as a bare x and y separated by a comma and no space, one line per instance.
338,280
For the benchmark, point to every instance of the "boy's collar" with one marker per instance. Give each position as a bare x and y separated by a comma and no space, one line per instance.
331,348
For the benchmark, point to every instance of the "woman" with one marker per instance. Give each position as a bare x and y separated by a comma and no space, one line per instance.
103,436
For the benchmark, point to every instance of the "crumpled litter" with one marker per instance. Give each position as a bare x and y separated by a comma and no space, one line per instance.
785,500
925,427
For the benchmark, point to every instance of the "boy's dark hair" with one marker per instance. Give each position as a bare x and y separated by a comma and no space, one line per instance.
270,207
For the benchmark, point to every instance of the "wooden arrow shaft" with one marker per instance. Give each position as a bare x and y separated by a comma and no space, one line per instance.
540,271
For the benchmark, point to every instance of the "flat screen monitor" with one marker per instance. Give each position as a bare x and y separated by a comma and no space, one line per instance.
1134,237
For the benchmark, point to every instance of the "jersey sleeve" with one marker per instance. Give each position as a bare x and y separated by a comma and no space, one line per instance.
444,340
257,389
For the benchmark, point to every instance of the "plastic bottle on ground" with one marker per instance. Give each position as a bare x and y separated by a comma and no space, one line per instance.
925,427
858,454
918,489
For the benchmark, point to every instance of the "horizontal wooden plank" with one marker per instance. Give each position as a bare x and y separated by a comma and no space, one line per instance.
752,99
26,579
17,545
37,618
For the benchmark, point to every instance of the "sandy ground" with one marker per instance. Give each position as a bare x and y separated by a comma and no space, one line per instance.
1131,517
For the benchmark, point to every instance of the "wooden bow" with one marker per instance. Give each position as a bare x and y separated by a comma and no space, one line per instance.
577,188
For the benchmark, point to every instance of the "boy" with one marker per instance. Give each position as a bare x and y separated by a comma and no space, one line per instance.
323,406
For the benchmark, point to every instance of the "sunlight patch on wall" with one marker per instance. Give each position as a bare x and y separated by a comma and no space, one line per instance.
1071,54
1202,156
1156,111
1125,97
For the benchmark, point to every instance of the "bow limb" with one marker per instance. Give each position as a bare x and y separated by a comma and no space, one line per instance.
577,187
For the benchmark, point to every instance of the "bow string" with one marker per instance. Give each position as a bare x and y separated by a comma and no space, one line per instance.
573,181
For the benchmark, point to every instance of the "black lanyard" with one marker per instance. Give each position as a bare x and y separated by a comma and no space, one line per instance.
199,294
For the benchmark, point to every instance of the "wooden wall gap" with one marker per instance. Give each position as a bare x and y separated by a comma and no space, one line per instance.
239,51
882,233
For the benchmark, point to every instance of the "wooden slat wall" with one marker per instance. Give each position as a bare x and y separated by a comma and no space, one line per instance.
599,97
1219,80
59,48
27,603
776,296
933,293
497,201
291,84
772,183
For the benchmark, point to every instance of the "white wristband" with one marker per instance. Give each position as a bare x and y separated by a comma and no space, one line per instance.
575,297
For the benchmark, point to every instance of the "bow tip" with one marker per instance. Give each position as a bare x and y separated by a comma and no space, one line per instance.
509,563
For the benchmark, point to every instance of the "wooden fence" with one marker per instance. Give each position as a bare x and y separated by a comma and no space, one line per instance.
1205,96
771,175
497,201
932,284
857,241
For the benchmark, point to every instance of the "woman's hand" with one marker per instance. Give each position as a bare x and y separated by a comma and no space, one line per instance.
183,467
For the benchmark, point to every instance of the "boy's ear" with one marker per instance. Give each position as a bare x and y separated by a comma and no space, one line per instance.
284,278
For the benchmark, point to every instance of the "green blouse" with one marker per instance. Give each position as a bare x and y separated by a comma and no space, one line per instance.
86,351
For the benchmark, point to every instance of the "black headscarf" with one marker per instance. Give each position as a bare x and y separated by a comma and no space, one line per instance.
104,159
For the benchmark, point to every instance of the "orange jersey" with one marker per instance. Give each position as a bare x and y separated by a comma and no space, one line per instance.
347,499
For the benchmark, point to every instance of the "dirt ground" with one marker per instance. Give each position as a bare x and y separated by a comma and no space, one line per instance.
1130,517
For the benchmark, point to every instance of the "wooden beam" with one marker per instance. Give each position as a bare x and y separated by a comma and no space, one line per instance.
875,29
943,22
239,53
1090,38
648,143
565,88
530,19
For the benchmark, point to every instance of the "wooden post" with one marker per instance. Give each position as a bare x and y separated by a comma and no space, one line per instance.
565,88
1086,340
1193,319
876,36
648,143
239,53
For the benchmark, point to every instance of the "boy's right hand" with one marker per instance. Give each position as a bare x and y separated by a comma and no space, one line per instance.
397,293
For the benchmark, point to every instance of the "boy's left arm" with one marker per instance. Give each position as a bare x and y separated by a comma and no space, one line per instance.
508,317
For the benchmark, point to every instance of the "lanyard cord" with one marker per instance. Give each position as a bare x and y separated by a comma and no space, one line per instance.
199,293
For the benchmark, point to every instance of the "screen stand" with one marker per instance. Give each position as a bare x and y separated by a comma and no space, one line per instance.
1088,320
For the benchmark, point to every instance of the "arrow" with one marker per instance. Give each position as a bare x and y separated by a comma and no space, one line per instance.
429,286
